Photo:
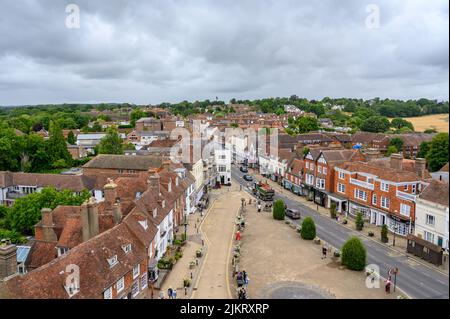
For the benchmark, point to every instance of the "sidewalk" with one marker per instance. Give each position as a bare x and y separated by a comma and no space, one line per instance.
181,269
400,242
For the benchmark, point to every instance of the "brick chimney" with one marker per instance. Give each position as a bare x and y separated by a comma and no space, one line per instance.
396,161
8,259
89,219
153,182
117,213
420,166
110,191
48,232
371,154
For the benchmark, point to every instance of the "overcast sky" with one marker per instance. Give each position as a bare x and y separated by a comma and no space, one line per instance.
155,51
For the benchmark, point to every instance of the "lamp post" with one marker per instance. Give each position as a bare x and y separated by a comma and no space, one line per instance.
185,227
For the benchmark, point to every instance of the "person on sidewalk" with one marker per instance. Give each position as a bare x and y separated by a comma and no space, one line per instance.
174,294
161,295
324,252
238,235
259,207
170,292
388,286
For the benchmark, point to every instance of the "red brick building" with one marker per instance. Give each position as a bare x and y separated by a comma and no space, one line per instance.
385,195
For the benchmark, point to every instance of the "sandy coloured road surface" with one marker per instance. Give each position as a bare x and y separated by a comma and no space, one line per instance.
281,265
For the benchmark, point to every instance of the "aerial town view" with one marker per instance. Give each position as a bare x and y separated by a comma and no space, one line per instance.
257,150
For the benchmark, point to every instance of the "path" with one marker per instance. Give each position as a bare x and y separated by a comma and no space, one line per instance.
218,231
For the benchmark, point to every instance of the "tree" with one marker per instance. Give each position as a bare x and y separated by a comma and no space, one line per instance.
136,115
71,138
308,229
354,254
376,124
56,145
391,150
26,211
397,142
111,143
398,123
424,148
437,155
278,210
301,125
359,222
384,234
333,210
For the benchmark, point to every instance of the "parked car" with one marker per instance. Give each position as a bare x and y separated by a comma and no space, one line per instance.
293,213
247,177
244,169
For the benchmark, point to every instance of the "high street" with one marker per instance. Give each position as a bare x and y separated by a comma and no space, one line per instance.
415,279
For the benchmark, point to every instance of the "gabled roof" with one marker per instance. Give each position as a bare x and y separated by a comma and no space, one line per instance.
436,192
59,181
96,275
387,174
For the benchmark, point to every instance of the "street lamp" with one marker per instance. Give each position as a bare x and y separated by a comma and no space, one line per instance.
185,227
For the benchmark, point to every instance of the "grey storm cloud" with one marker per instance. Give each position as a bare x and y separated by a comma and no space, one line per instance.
169,50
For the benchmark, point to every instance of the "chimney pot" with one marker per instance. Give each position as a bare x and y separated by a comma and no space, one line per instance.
396,161
8,259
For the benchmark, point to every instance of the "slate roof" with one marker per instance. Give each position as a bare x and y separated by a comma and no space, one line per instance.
436,192
141,163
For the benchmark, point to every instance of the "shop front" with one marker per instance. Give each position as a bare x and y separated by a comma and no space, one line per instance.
341,203
354,209
287,184
320,198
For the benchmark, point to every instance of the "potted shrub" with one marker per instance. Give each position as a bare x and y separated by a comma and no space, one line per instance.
359,222
192,265
371,234
186,283
199,253
333,210
345,221
384,234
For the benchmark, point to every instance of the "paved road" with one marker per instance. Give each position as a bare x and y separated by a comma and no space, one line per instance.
417,280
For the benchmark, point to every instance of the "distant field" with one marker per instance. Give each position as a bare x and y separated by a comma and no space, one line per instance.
437,121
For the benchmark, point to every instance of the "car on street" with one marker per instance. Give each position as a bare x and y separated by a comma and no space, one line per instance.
244,169
293,213
247,177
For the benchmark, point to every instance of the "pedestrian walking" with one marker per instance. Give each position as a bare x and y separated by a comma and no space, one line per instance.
388,286
238,235
259,208
244,275
174,294
161,295
170,293
324,252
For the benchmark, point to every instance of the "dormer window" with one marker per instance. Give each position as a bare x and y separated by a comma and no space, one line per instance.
113,261
169,186
176,181
126,248
155,212
144,224
163,204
